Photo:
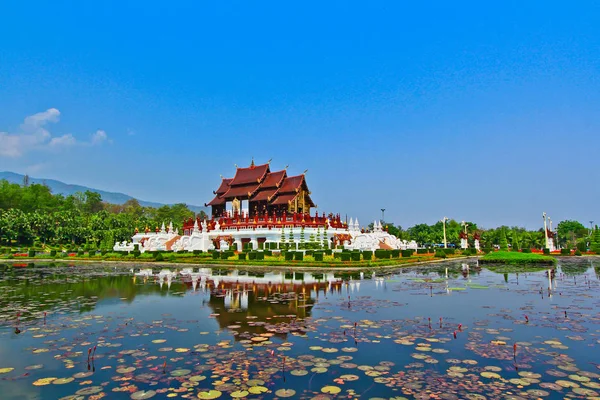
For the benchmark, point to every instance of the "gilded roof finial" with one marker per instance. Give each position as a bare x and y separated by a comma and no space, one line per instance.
305,171
286,167
252,163
269,162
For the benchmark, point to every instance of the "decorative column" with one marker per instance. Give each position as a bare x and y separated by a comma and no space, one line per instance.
464,236
444,225
545,230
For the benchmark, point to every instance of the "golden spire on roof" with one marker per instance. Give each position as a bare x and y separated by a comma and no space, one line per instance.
252,163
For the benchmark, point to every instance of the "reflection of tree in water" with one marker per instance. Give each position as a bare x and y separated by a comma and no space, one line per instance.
31,291
574,267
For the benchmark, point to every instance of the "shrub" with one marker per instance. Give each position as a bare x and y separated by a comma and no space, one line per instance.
382,254
52,253
289,256
136,253
260,255
31,253
268,253
215,255
345,256
577,252
355,256
450,251
406,253
422,251
565,252
252,255
396,253
299,256
318,256
196,252
525,250
367,255
158,257
328,252
241,256
546,251
439,253
80,253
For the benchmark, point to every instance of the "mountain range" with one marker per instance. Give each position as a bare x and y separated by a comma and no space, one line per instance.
58,187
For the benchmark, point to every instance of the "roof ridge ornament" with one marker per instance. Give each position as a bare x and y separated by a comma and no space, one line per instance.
252,163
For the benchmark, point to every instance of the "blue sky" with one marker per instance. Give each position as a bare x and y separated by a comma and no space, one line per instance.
476,111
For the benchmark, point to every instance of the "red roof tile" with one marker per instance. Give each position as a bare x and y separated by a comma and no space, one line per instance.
284,199
263,195
291,184
273,179
224,186
253,174
240,191
217,201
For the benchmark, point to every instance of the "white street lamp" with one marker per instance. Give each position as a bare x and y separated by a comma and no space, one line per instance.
444,225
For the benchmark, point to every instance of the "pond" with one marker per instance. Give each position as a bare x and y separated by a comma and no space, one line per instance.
449,331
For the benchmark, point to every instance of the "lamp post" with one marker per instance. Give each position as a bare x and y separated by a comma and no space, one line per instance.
382,215
545,229
444,225
591,227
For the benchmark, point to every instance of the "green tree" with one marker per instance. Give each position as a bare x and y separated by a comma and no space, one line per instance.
595,242
569,232
503,241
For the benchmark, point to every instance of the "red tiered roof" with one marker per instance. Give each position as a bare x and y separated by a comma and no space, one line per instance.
284,199
240,191
257,183
264,194
224,186
274,179
252,174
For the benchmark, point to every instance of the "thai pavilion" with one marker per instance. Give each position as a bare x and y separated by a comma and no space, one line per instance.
263,209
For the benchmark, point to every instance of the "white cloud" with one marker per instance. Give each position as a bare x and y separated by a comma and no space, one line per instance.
64,140
34,136
99,136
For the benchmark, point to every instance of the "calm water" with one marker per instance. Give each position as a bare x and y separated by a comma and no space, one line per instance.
168,334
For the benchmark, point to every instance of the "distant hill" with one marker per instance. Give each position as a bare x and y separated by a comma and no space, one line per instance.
66,189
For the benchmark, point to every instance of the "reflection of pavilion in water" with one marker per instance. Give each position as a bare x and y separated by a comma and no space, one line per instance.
255,303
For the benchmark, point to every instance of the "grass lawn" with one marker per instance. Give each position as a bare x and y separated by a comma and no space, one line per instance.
515,258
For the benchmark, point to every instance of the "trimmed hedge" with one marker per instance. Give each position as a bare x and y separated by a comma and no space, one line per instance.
396,253
299,256
241,256
450,251
52,253
346,256
406,253
215,255
31,253
355,256
422,251
439,253
196,252
565,252
318,256
546,251
252,255
260,255
367,255
289,256
382,254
